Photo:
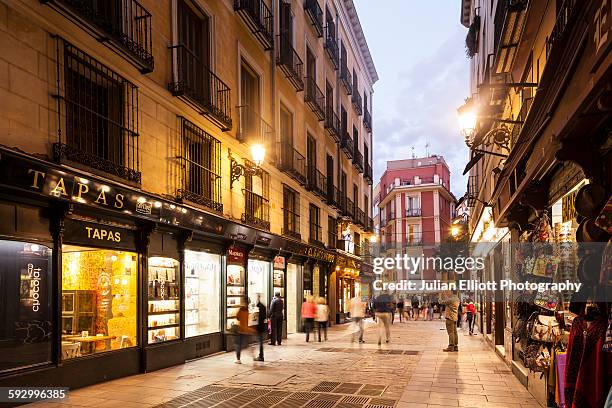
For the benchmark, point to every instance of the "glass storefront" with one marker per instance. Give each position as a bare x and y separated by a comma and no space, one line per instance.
259,277
25,331
202,293
99,300
164,300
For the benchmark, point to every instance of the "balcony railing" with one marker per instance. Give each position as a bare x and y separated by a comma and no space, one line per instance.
256,210
331,45
291,224
522,115
200,87
252,128
333,195
347,144
315,13
200,157
357,102
413,212
314,98
124,25
367,119
566,12
258,17
291,162
360,218
346,78
348,246
358,160
332,123
317,182
89,132
367,174
349,207
290,62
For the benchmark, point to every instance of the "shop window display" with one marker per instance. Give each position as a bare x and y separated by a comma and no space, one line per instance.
202,293
235,292
259,275
99,300
164,300
25,331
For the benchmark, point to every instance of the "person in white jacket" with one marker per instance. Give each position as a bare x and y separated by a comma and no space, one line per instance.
357,310
322,316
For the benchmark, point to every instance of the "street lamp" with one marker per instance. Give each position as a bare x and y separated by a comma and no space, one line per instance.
467,124
455,230
258,153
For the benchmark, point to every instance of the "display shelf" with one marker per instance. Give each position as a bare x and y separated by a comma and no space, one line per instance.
163,312
165,326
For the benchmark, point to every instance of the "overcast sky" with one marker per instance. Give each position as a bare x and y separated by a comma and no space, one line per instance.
418,48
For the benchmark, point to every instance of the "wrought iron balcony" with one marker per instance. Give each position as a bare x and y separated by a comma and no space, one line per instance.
252,128
200,158
333,195
367,119
315,13
89,133
291,224
291,162
358,160
258,17
348,246
290,62
256,210
349,208
331,45
413,212
346,144
123,25
314,98
332,123
367,174
357,101
360,218
200,87
317,182
346,78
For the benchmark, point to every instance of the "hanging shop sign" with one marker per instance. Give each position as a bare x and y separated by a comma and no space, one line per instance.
311,252
602,31
236,256
48,179
568,211
279,262
346,262
89,233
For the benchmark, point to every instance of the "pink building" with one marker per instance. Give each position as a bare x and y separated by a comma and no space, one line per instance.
415,207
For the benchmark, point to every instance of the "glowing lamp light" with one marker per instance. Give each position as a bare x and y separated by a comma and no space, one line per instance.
373,239
258,154
467,123
455,230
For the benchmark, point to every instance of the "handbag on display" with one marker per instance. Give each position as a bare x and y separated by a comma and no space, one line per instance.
537,358
545,329
545,266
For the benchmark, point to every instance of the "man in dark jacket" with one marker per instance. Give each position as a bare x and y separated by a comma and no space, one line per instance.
276,317
261,327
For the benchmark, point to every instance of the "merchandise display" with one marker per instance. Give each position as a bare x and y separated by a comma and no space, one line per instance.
99,300
202,293
235,293
164,300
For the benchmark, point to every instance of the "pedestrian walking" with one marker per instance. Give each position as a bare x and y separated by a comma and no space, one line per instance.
277,307
451,315
308,316
357,314
261,328
459,314
400,308
322,317
384,307
415,308
430,310
471,316
243,331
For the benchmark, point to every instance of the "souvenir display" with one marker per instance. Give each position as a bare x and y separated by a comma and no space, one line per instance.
164,300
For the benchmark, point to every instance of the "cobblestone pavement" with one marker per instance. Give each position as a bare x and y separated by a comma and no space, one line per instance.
410,371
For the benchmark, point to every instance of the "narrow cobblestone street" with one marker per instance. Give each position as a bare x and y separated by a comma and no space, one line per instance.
410,371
